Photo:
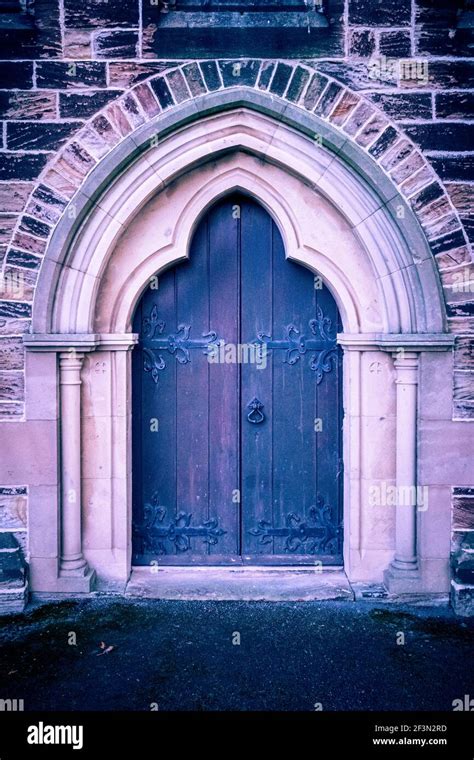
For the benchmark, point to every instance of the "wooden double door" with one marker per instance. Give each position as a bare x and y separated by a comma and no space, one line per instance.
237,409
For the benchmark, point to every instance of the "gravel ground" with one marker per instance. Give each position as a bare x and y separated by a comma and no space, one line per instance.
185,656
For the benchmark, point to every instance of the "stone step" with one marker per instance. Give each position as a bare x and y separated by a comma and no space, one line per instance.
13,576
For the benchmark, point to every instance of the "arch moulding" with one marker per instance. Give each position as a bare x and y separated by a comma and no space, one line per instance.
134,217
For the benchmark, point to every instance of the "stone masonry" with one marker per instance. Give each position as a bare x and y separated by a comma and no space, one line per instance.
395,77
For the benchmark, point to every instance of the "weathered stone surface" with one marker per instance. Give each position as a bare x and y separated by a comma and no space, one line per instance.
162,92
433,211
15,310
46,205
281,78
131,108
384,142
265,76
404,105
125,74
93,143
85,104
193,77
41,40
454,105
240,73
362,113
19,258
105,130
297,84
22,166
147,100
395,44
18,74
388,13
344,107
17,284
417,181
12,387
441,226
13,326
76,74
28,105
463,309
177,84
398,153
462,599
361,43
74,163
118,119
328,99
30,135
34,227
117,43
455,256
77,44
315,88
13,506
11,353
374,127
211,75
11,410
29,243
464,359
436,29
451,74
453,168
446,242
426,196
441,136
90,14
7,224
464,389
462,196
13,195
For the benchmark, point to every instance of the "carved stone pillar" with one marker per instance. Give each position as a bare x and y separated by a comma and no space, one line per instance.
73,568
404,568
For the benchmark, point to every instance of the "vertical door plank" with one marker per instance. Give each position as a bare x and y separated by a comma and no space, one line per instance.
257,442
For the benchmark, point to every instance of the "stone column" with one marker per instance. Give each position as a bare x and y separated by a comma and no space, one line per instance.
73,566
404,568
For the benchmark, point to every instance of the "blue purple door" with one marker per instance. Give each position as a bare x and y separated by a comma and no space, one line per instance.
237,414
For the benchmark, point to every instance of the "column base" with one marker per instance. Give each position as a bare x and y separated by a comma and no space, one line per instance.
402,580
76,584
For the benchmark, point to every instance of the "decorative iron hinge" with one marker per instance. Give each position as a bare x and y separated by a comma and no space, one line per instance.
177,344
320,537
323,344
154,532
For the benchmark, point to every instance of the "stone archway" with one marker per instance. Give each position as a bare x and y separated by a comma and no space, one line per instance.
381,274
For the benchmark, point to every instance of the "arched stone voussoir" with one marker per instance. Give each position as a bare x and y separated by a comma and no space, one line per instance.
350,175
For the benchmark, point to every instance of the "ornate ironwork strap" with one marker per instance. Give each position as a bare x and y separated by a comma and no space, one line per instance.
177,344
154,532
295,345
318,536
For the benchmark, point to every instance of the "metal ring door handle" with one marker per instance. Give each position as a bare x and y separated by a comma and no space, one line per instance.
255,415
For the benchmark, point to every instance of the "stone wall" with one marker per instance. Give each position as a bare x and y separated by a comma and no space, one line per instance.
396,77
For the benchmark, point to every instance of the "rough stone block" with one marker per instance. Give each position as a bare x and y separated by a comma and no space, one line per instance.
22,166
31,135
117,43
81,105
60,75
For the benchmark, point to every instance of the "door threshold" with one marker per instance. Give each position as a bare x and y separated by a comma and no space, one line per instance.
242,583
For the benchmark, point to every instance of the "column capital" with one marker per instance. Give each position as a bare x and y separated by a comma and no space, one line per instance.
394,342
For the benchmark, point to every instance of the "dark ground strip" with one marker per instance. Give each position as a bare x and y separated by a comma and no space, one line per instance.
180,656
